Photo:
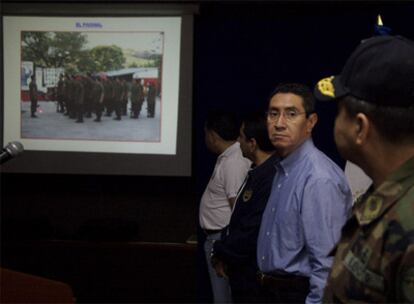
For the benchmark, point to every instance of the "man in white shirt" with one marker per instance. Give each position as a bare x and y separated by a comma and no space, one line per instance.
221,132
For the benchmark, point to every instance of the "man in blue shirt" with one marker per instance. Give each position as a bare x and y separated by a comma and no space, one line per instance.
235,254
309,203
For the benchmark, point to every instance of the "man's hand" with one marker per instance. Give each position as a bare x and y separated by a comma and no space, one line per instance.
220,268
232,201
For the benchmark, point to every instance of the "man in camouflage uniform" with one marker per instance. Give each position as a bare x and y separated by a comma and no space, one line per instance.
124,98
70,96
137,97
374,128
117,98
97,98
66,88
79,93
108,96
33,96
151,99
60,88
88,84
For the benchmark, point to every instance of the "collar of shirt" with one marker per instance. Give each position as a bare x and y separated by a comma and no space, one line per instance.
376,202
287,164
234,148
256,172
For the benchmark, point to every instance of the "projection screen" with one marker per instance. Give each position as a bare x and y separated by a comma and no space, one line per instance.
91,89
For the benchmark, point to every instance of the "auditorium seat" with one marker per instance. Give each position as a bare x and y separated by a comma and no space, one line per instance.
17,287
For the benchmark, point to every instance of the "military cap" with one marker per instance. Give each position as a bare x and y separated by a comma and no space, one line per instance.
379,71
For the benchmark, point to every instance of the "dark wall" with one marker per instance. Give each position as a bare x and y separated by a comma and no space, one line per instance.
82,207
243,50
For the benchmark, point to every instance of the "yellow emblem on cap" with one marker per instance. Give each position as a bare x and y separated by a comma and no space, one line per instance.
247,195
326,87
379,21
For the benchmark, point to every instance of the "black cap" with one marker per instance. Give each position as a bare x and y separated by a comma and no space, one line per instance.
379,71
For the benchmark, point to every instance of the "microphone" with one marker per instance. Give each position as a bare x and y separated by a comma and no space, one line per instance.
12,149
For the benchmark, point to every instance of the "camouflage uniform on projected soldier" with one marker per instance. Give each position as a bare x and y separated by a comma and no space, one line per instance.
137,98
97,98
151,95
117,98
374,128
33,97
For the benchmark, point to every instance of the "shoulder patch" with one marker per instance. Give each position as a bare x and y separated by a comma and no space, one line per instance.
407,285
390,188
247,195
371,209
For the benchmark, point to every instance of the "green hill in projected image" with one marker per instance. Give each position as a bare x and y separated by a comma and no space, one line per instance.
133,60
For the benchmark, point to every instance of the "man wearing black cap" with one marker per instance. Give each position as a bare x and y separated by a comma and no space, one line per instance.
374,128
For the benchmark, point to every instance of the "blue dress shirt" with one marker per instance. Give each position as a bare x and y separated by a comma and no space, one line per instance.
309,203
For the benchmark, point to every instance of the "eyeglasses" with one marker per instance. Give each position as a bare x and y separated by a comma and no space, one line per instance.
289,115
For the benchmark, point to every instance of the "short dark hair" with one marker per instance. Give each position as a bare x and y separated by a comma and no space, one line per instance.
395,124
255,126
298,89
224,123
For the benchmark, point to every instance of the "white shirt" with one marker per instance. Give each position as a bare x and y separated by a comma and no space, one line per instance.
228,175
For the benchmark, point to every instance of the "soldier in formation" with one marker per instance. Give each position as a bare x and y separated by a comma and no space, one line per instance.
80,96
124,99
117,98
97,98
60,95
137,98
33,96
151,94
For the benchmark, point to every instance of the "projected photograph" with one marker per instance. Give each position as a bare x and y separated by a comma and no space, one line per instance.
91,85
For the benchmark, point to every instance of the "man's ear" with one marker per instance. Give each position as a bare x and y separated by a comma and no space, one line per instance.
363,127
311,122
215,137
253,144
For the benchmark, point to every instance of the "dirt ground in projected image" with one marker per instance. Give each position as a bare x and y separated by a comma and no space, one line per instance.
50,124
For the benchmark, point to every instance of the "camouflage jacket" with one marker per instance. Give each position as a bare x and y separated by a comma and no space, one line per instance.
374,261
33,90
